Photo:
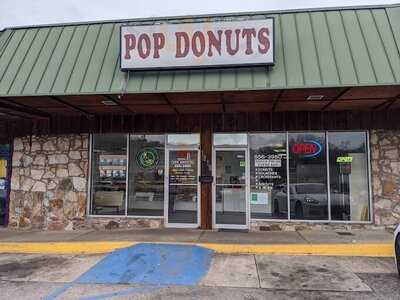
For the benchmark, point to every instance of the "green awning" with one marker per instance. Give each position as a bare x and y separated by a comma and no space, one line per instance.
313,49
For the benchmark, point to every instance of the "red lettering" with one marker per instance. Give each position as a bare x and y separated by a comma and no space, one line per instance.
130,43
198,43
295,148
144,50
263,39
228,34
304,148
159,43
248,34
179,51
214,42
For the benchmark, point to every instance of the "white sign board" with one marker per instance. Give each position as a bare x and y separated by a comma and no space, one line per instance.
196,45
259,198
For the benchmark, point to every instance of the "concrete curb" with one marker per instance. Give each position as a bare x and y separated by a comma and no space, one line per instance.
98,247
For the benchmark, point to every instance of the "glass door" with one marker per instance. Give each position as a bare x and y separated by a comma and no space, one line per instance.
182,188
230,192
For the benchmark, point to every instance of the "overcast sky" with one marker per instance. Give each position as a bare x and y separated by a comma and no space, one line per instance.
34,12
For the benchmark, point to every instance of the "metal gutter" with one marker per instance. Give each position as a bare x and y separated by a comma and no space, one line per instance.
206,16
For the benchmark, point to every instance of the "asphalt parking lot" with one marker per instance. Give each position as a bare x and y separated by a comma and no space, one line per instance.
166,271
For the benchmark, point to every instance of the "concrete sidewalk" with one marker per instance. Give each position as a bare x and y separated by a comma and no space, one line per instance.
346,243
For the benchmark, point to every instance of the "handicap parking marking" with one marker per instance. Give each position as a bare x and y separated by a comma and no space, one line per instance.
154,264
125,292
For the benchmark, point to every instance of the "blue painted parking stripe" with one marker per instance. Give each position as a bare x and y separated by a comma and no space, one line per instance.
125,292
154,264
58,292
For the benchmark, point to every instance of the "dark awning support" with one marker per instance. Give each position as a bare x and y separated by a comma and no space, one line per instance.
338,97
80,110
164,96
21,109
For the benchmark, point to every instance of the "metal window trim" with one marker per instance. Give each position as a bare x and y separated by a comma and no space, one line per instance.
247,183
89,203
128,136
309,221
244,148
213,188
287,178
124,217
366,134
286,134
128,161
326,133
328,175
232,146
169,148
166,184
248,165
369,170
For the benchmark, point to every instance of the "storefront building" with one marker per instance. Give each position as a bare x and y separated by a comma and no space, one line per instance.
269,121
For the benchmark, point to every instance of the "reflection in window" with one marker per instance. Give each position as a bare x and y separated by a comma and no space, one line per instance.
308,176
108,174
348,176
230,139
230,201
183,185
183,139
146,175
268,198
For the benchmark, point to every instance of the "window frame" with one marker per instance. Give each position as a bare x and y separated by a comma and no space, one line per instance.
89,206
127,177
287,220
329,220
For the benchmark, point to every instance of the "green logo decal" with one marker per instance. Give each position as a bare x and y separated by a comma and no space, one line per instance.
147,158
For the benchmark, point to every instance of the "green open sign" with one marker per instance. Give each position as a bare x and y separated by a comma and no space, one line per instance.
344,159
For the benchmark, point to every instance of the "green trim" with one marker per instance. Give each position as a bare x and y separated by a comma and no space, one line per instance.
216,15
324,48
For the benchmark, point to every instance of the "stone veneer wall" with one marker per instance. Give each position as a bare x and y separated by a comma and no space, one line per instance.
49,182
385,165
49,186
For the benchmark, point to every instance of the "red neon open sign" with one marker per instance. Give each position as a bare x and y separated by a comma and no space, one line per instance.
307,148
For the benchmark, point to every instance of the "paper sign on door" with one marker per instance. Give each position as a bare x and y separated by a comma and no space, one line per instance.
259,198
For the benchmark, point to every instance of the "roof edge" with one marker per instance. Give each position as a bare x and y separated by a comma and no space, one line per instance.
216,90
216,15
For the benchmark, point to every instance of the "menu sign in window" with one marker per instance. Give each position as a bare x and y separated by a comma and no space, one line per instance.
267,169
183,167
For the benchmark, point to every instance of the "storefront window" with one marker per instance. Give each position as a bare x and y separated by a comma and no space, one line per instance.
230,139
146,175
308,176
183,139
109,160
281,163
348,170
268,198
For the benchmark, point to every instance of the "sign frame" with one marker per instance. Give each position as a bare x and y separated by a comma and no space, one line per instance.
196,67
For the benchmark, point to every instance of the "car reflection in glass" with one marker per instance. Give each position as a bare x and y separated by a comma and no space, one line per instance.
308,201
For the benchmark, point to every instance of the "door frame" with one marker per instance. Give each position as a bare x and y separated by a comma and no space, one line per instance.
247,188
166,187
